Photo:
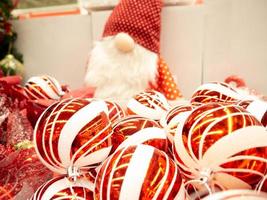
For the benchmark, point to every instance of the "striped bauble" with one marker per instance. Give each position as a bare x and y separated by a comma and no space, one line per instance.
221,146
139,173
150,104
73,132
61,188
43,87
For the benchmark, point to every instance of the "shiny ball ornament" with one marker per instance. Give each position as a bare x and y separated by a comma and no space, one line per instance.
172,118
115,111
237,195
43,87
150,104
62,188
216,92
73,132
139,172
128,126
257,108
221,146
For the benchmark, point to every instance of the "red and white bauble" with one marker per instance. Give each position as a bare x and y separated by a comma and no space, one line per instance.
258,108
139,172
130,125
222,144
61,188
150,104
172,118
43,87
216,92
115,111
73,132
237,195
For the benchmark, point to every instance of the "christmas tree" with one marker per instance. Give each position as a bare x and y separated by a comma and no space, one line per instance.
7,34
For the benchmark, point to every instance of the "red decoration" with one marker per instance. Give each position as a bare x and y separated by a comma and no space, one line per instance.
43,87
150,104
139,172
21,173
115,111
62,188
73,132
221,146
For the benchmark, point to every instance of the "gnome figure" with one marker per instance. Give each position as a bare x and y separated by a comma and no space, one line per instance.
127,60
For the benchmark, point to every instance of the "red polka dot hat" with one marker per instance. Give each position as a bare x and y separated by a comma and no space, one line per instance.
141,19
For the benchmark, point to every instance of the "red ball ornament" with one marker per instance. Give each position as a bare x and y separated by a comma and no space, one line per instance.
258,108
216,92
62,188
43,87
133,130
115,111
139,172
150,104
171,120
73,132
221,146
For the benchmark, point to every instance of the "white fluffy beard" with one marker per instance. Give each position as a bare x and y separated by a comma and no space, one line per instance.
120,75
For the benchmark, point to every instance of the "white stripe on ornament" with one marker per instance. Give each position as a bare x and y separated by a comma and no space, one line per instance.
110,177
136,172
182,152
32,94
236,142
48,165
163,180
144,111
143,136
170,188
72,127
220,89
57,85
43,84
54,122
257,108
64,183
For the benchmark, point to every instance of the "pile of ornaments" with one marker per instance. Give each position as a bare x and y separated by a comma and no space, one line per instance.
212,147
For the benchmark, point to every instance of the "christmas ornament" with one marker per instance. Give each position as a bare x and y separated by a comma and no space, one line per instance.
150,104
73,132
11,66
62,188
128,126
43,87
115,111
139,172
126,61
172,118
258,108
221,146
237,195
216,92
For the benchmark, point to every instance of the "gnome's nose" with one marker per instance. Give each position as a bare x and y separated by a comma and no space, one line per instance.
124,42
